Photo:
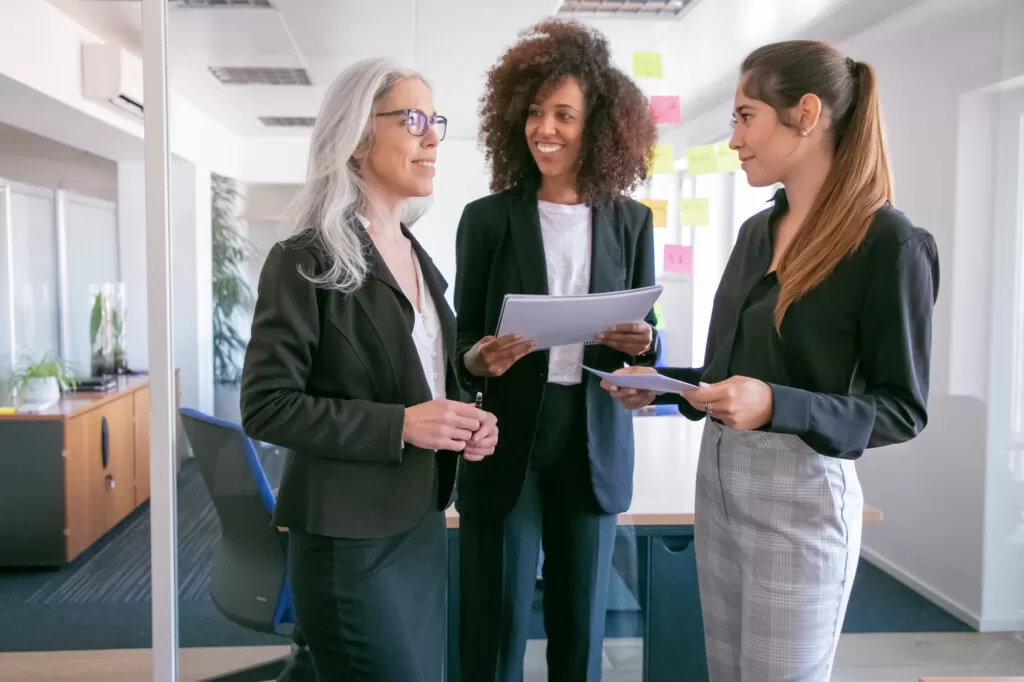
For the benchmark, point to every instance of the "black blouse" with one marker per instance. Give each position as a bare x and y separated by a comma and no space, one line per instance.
850,369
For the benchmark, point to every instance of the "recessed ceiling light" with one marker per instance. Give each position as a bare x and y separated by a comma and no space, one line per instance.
259,75
643,9
288,121
262,4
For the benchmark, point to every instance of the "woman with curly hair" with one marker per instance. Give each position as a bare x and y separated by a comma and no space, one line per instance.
567,135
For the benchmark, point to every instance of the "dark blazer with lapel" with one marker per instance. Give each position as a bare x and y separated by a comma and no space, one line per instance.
329,376
500,251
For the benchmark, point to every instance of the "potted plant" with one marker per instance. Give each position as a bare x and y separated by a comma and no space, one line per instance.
232,296
41,382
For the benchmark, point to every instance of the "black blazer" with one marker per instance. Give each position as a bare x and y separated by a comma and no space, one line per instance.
500,251
329,376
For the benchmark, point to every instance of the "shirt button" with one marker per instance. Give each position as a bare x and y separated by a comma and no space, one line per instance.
433,355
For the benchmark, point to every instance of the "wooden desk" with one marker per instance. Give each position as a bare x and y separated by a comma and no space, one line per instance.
653,553
72,472
665,474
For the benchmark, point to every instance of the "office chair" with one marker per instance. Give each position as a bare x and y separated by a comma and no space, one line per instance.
250,584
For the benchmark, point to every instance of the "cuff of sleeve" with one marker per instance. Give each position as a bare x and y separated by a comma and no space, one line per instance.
791,410
469,381
396,428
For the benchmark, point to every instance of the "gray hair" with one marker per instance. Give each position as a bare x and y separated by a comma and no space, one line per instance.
334,190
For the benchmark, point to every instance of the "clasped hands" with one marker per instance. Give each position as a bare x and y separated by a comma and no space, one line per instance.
450,425
738,402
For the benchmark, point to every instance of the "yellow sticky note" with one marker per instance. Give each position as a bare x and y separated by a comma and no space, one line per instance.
694,211
659,314
659,207
701,160
8,410
664,158
728,159
647,65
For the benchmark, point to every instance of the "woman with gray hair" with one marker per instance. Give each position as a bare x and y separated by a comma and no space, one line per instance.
350,367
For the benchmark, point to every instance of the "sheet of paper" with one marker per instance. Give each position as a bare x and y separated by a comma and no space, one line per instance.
659,207
664,159
647,65
551,321
701,160
678,259
728,159
693,211
665,109
644,382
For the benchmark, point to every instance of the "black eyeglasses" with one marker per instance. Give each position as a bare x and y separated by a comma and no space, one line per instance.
418,122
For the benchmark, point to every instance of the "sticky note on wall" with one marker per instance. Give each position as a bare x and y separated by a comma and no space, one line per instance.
659,207
693,211
678,259
664,157
660,314
647,65
728,159
665,109
701,160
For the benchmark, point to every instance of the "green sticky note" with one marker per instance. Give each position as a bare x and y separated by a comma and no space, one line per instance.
728,159
694,211
664,158
647,65
701,160
659,314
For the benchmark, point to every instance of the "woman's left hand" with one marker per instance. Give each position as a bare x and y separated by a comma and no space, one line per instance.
631,338
482,443
738,402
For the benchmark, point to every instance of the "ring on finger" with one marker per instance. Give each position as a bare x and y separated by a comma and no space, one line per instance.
708,408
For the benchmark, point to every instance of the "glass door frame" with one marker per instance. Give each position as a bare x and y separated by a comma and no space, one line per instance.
163,491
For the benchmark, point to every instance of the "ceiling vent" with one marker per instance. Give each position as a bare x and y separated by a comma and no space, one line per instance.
244,75
624,9
112,78
288,121
259,4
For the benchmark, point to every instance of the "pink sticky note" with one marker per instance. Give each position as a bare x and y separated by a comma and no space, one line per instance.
679,259
665,109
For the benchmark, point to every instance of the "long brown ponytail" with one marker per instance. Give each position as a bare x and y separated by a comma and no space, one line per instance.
858,183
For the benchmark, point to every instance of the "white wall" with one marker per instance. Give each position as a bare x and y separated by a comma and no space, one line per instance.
34,160
462,176
939,493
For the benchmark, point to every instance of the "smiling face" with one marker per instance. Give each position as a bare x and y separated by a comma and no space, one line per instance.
554,129
768,148
399,164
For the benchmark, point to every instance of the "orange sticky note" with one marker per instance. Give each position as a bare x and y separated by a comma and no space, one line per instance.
665,109
659,207
678,259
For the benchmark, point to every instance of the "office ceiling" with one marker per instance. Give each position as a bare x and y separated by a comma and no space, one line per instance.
452,42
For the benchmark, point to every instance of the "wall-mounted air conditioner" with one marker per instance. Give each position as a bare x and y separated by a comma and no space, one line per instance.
112,78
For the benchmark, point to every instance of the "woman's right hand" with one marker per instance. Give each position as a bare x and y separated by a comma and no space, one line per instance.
491,356
442,424
631,398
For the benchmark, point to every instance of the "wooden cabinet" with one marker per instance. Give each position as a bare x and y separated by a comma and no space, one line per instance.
69,475
141,399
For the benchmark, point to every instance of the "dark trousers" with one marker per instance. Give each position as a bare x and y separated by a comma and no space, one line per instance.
498,560
373,610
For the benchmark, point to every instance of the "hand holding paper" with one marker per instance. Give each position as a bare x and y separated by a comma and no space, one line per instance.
631,398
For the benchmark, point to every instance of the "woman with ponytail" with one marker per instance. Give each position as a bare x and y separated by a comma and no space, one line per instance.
819,348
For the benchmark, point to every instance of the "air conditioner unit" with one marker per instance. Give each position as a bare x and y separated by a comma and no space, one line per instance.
112,78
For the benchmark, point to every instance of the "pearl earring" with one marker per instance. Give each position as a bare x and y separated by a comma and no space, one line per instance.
803,133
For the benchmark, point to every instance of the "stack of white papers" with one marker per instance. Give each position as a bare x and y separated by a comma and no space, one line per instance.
551,321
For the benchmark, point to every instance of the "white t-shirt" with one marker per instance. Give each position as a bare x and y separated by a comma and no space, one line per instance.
566,231
429,340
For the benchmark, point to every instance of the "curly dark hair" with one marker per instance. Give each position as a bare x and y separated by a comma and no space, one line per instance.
618,134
